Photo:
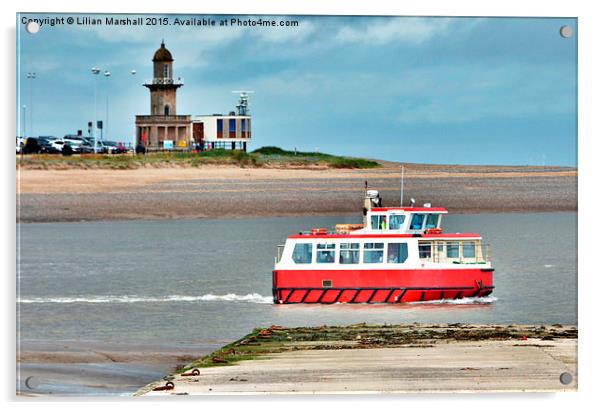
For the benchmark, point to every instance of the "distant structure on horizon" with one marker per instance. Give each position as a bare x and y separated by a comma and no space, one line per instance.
164,129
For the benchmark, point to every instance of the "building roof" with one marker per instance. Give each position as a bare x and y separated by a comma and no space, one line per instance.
162,54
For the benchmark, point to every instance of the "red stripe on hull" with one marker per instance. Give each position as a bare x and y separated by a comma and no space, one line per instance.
384,286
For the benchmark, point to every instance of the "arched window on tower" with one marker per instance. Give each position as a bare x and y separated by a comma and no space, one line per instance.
165,70
166,110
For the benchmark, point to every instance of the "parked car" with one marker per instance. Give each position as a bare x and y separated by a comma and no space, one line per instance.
20,144
31,146
58,145
45,143
86,147
74,140
112,147
120,148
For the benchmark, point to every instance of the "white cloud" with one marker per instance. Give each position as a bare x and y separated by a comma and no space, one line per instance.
286,34
385,30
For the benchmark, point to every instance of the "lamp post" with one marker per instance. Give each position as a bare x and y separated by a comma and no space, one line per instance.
31,76
95,72
133,72
107,74
24,120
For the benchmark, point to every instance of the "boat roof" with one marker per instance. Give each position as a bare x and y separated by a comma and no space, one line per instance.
412,209
456,235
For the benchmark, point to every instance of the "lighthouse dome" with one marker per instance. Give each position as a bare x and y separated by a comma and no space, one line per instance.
162,54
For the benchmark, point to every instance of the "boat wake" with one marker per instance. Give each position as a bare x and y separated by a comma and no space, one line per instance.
485,300
230,297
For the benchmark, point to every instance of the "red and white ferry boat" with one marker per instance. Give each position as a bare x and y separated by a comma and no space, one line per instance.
397,255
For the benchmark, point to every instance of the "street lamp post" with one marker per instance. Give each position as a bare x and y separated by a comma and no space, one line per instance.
31,76
95,72
133,72
24,120
107,74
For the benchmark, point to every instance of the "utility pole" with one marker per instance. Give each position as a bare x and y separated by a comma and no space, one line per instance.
107,74
31,76
95,72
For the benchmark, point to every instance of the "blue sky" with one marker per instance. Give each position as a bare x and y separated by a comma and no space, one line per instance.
429,90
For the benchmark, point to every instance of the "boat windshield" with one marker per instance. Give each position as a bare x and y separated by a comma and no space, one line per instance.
396,221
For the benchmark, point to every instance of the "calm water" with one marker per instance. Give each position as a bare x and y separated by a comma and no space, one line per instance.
205,282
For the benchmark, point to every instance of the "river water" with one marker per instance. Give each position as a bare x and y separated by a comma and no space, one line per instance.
140,289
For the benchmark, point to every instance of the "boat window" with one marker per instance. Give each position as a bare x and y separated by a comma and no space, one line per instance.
397,252
350,253
431,221
396,221
417,220
325,253
378,222
468,249
440,247
373,252
302,253
424,250
453,250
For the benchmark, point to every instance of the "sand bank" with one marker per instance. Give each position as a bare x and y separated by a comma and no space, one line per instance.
219,191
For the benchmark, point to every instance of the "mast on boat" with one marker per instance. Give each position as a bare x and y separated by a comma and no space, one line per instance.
401,194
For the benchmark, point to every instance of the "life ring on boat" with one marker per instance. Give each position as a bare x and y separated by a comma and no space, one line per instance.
433,231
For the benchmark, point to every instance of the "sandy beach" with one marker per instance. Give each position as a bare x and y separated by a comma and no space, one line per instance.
387,359
231,192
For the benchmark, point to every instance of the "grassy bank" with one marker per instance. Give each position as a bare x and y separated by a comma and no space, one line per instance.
276,339
263,157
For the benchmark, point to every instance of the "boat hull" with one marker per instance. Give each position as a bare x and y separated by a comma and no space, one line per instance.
379,286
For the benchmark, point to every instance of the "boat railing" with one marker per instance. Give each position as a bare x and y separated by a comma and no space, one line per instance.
465,252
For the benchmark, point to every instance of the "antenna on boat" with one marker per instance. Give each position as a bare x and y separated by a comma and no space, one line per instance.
401,194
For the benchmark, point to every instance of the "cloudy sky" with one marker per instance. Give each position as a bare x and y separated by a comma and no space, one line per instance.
433,90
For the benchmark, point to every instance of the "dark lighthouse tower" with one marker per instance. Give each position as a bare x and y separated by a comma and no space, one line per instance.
163,125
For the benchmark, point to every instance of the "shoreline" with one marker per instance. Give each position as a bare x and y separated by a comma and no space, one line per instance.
362,358
234,192
268,216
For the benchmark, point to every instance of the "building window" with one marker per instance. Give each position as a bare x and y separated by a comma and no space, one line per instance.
397,252
166,110
416,223
396,221
165,70
232,128
373,252
350,253
302,253
220,128
378,222
325,253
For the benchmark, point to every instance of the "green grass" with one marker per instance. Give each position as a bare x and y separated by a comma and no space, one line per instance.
265,156
276,155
